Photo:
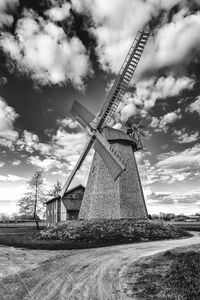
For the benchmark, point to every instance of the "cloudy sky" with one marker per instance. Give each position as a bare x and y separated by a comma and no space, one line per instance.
56,51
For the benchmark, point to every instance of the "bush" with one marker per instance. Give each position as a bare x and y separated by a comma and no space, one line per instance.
111,230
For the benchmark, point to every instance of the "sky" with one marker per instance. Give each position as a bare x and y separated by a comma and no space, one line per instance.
54,52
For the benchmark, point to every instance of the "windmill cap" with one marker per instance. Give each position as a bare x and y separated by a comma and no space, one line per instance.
117,135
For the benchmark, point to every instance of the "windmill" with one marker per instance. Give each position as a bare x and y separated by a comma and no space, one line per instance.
109,160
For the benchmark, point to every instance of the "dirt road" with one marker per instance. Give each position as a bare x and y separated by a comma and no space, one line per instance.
95,274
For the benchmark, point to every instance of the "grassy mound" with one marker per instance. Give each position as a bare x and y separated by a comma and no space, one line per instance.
172,275
111,231
89,234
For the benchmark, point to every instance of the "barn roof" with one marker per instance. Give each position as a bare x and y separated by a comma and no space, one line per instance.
66,193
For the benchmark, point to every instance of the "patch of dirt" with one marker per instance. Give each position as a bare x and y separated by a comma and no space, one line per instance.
76,274
14,260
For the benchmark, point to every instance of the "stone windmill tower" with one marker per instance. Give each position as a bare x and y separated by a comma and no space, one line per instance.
114,189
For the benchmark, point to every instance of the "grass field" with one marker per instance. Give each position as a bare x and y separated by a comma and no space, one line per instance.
193,226
172,275
22,225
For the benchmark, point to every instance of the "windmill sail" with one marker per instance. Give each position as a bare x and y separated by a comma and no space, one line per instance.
109,161
111,158
123,78
80,112
77,167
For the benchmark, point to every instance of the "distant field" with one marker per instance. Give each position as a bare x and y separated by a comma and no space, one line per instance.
187,225
7,227
22,224
19,228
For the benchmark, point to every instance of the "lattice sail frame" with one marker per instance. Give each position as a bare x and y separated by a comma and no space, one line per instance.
123,78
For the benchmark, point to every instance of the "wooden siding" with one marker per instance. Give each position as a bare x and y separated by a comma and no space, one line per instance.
51,213
69,208
72,201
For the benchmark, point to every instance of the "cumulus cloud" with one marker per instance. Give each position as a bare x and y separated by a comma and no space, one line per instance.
155,122
162,123
169,118
115,24
157,173
175,46
166,198
147,92
69,123
195,106
61,153
16,162
171,168
69,146
7,118
46,164
11,177
30,142
59,13
41,49
183,137
178,160
7,7
151,90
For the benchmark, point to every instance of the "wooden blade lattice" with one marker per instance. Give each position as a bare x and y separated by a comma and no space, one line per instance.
82,114
123,78
77,167
109,159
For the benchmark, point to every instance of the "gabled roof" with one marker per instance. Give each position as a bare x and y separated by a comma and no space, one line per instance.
66,193
74,188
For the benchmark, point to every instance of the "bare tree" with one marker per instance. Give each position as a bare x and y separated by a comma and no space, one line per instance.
35,185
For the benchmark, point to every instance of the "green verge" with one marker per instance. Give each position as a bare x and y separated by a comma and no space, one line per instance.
173,275
80,234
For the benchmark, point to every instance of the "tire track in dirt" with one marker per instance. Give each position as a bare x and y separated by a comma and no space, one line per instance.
97,274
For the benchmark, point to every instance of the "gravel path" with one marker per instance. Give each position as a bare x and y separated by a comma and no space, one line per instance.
94,274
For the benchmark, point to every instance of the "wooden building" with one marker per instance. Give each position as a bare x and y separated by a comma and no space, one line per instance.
58,210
